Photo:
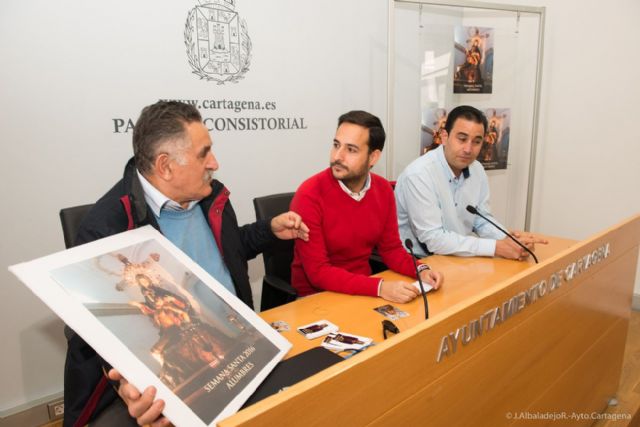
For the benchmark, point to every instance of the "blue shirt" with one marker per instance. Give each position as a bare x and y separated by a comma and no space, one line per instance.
158,201
189,230
432,208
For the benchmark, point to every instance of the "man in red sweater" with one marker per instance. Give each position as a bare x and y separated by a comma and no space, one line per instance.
350,211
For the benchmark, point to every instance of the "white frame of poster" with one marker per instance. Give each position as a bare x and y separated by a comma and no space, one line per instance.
37,276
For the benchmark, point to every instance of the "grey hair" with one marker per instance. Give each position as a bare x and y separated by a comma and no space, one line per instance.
161,128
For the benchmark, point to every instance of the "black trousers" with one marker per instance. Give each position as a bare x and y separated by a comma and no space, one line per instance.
115,414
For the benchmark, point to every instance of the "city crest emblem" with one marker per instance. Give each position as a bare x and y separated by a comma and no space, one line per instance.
217,41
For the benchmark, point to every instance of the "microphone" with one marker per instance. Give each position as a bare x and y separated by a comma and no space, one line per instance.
409,244
475,211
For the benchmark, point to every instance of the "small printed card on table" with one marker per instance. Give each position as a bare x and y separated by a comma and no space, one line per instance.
280,326
391,312
340,341
427,287
317,329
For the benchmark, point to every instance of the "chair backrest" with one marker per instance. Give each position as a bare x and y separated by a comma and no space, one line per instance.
71,219
278,258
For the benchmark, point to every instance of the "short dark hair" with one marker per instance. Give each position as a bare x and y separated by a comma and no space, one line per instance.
466,112
368,121
158,123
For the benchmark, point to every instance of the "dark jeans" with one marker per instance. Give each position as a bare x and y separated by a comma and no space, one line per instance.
115,414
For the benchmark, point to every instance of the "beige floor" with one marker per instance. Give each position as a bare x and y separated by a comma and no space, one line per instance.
629,391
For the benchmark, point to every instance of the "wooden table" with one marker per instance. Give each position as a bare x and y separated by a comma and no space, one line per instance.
464,278
555,358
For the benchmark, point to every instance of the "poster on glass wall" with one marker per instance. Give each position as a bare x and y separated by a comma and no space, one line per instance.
433,121
495,148
473,60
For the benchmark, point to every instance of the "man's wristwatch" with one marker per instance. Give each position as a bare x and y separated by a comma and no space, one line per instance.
423,267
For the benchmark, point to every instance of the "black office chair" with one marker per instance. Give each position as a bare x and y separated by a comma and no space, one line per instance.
276,285
376,263
375,260
71,219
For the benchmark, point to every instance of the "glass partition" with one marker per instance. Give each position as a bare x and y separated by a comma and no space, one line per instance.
445,54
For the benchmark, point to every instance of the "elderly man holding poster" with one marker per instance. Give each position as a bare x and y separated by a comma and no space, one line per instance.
168,184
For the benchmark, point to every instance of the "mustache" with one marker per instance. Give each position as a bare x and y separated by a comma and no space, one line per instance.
337,163
208,176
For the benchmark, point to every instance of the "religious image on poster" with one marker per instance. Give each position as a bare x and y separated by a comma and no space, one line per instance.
473,60
495,148
433,121
161,320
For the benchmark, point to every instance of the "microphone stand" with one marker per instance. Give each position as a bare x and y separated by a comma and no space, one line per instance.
475,211
409,244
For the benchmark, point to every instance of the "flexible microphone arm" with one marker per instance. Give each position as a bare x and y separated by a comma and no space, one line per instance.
409,244
475,211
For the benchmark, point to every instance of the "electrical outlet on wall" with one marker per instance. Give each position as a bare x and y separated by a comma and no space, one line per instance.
56,409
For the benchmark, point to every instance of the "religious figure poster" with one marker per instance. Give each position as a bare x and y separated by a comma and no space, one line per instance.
473,60
433,121
161,320
495,148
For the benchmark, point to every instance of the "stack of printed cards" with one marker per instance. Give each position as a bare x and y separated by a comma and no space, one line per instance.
427,287
334,340
317,329
340,342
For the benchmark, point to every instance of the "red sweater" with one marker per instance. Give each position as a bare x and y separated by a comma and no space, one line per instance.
343,232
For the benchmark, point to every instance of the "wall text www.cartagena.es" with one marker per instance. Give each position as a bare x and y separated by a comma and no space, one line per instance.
228,104
223,122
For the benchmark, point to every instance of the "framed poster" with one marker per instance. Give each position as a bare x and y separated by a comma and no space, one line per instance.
160,319
473,57
495,147
433,121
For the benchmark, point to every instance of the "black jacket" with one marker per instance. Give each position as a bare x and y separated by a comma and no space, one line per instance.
86,388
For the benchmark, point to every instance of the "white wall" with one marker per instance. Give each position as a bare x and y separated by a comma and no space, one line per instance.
66,71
